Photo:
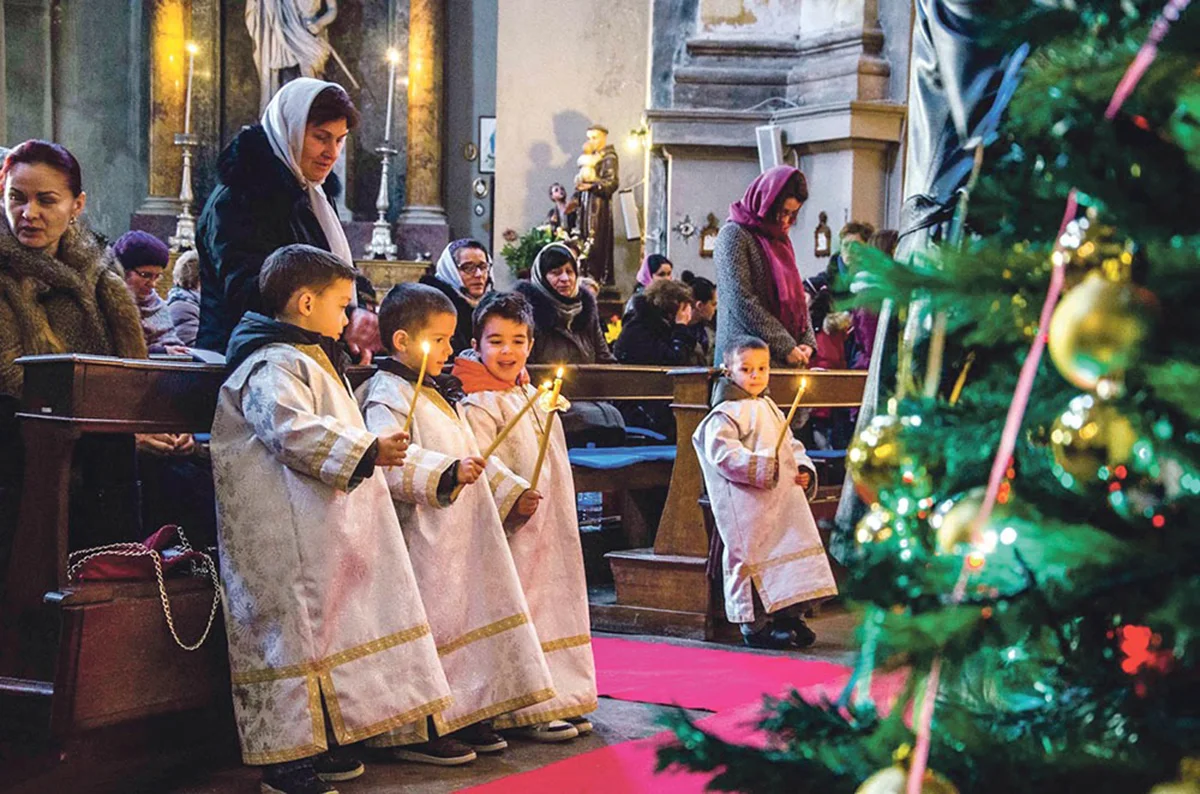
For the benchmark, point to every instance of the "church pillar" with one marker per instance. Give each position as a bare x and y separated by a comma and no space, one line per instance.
169,28
422,227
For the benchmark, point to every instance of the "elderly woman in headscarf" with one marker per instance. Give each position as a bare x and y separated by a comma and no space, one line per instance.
276,187
762,293
144,258
464,275
567,330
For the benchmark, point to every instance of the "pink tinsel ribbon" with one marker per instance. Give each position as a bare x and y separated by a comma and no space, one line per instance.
1016,412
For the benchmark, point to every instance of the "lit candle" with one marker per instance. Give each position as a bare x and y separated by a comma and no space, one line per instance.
537,469
412,409
393,57
791,412
192,49
487,453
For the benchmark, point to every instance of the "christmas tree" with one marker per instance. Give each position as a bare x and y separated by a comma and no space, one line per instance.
1062,618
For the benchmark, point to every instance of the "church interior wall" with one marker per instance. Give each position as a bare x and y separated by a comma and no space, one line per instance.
559,68
470,94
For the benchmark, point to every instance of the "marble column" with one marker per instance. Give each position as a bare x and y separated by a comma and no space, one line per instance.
422,227
169,27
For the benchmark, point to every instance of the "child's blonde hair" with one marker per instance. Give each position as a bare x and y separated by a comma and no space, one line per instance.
836,323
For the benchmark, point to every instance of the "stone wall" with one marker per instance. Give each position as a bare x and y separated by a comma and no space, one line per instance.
560,67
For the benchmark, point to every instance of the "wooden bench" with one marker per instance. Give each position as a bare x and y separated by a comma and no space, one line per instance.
664,589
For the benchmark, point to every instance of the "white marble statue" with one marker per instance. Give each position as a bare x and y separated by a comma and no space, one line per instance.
290,40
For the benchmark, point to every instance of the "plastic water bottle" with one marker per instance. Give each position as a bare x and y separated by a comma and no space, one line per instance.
589,506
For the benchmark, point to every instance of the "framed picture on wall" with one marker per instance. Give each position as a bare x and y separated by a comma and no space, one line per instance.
487,144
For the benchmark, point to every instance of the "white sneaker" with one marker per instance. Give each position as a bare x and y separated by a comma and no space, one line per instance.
548,732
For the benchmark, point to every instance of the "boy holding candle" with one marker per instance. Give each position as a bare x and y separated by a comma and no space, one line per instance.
544,533
489,648
325,624
757,475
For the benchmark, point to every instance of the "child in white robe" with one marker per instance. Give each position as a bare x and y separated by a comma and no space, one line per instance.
774,563
322,612
543,532
481,622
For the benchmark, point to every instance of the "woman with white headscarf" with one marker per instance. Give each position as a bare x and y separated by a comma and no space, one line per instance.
464,275
276,187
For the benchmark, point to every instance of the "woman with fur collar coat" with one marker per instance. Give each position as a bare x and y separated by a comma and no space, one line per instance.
567,326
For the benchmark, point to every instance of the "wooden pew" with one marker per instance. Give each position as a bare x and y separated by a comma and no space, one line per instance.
663,589
92,687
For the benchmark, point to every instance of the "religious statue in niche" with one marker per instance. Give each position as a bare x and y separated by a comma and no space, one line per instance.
565,212
708,237
290,40
822,236
597,181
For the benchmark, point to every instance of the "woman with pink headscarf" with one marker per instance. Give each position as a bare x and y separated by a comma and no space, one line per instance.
761,291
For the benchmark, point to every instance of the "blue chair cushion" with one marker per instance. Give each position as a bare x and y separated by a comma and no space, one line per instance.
618,457
827,454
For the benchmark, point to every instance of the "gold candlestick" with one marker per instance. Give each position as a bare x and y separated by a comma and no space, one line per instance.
791,413
412,409
537,469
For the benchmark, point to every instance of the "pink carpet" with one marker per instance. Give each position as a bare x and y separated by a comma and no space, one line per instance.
698,678
727,681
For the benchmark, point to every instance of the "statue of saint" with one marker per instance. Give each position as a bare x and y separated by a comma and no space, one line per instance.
290,40
597,182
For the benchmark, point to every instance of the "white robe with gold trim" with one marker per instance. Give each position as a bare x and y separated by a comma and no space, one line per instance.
546,548
771,540
320,597
481,621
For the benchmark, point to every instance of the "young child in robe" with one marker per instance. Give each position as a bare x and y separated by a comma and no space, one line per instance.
543,532
481,622
325,623
773,564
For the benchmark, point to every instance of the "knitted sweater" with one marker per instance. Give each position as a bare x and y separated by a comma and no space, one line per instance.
746,287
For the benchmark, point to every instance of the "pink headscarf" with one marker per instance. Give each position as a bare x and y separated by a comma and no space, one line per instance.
753,213
650,266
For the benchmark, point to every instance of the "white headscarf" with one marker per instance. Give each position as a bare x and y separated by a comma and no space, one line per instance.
285,120
447,269
568,307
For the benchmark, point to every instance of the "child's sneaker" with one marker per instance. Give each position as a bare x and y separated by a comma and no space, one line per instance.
548,732
805,636
442,751
582,724
337,765
289,779
770,636
481,738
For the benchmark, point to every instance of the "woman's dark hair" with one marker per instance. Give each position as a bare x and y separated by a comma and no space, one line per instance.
655,261
469,244
52,154
331,104
508,305
553,257
885,240
796,188
703,290
667,296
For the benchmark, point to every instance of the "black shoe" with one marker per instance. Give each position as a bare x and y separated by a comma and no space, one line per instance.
481,738
294,780
770,636
337,765
805,636
442,751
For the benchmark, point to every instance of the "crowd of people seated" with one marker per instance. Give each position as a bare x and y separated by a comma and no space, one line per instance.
273,265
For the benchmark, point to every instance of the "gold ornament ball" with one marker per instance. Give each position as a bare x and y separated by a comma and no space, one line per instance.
1087,245
880,464
879,525
1089,436
951,520
1098,328
894,780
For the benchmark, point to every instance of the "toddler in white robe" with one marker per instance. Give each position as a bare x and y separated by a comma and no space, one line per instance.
481,622
543,532
773,562
324,620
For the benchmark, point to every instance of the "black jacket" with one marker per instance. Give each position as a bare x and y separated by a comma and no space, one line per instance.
257,206
463,332
555,343
650,337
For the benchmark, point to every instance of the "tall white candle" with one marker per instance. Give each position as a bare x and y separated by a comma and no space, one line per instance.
393,57
187,108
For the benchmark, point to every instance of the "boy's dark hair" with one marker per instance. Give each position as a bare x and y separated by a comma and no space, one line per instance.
741,343
408,307
295,267
667,296
858,228
333,103
508,305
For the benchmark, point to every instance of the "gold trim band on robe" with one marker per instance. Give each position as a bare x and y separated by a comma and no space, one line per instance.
758,567
566,712
267,674
810,595
512,704
490,630
566,642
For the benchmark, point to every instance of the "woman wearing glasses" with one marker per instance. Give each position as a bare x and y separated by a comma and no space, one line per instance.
464,274
762,293
144,258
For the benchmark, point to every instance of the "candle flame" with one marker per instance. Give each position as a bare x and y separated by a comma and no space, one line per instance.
192,47
393,55
546,386
425,348
559,374
803,383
